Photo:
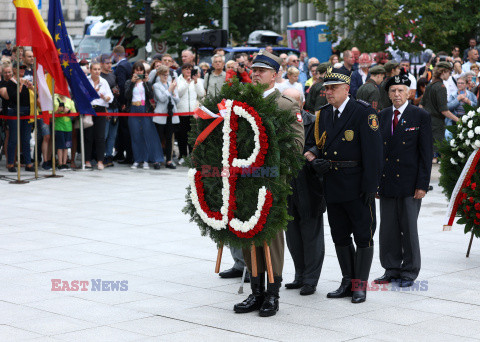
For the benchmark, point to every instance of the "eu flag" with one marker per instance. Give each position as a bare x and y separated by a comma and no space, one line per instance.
82,91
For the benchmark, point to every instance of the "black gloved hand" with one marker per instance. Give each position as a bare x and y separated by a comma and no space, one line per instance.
368,197
321,166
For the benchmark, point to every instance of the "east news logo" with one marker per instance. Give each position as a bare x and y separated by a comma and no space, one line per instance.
95,285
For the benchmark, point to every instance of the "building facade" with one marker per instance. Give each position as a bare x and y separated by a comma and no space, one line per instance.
74,12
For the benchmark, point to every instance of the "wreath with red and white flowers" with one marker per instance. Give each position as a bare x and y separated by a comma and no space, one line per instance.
254,148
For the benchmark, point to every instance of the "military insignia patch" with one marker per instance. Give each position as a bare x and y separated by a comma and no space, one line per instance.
299,117
349,135
373,121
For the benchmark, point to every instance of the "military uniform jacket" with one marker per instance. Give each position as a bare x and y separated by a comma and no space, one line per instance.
384,99
287,103
316,97
370,93
307,196
435,99
407,153
355,137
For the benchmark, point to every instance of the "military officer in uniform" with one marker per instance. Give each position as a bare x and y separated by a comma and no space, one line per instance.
370,91
435,102
316,97
265,68
407,137
392,68
348,153
304,235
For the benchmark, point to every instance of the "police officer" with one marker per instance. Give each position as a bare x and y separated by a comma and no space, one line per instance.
392,68
435,102
304,235
369,91
348,153
265,68
407,137
316,97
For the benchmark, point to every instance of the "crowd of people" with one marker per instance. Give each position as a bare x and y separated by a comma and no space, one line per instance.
163,86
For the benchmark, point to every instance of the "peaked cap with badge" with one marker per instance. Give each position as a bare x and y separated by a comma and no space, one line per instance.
336,76
267,60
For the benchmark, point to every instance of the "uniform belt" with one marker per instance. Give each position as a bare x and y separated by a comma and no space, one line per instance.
137,103
343,163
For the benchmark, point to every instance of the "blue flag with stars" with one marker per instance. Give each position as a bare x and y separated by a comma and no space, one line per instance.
82,91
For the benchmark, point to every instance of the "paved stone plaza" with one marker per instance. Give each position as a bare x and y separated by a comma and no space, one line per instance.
126,225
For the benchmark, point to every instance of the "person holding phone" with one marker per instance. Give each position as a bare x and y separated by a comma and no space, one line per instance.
145,142
190,91
457,100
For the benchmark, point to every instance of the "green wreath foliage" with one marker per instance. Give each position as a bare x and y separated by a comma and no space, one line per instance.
282,156
455,153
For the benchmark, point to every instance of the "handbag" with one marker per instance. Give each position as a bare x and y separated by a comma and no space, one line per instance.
86,120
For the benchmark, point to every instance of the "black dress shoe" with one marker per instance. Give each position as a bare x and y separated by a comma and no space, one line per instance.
405,282
296,284
307,290
270,304
12,169
385,279
30,168
256,299
231,273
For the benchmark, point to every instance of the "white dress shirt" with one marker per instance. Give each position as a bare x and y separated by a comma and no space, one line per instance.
342,107
102,88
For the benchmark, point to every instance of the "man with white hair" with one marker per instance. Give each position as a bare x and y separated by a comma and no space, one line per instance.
407,137
304,235
215,79
294,61
360,76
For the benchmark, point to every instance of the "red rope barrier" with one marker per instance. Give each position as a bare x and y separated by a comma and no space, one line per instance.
41,116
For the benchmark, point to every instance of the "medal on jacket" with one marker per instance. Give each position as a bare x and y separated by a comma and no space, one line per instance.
349,135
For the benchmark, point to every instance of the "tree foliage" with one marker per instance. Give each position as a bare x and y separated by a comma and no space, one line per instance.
436,23
170,18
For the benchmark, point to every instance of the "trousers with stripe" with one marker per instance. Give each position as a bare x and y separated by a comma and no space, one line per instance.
352,217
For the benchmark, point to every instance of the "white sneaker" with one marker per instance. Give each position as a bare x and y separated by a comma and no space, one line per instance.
134,165
145,166
181,161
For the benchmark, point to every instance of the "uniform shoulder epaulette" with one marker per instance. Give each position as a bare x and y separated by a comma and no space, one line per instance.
364,103
288,98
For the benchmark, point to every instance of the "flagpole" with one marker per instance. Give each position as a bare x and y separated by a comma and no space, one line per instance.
35,130
53,175
82,144
18,181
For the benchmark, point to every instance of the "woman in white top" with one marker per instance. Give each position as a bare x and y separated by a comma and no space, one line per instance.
97,131
146,144
190,90
292,76
166,98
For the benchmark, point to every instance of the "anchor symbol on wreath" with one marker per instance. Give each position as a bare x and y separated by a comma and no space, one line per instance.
230,112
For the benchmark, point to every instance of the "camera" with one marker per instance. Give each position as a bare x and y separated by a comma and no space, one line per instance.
442,58
241,65
141,76
194,72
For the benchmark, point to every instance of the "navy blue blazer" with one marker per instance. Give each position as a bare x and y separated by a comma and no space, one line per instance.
407,153
123,72
355,137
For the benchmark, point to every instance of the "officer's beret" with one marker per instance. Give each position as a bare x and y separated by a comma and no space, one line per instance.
336,76
267,60
377,69
401,79
390,65
321,68
445,65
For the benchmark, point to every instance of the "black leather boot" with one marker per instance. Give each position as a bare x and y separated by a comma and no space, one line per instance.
345,256
270,304
363,261
255,300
